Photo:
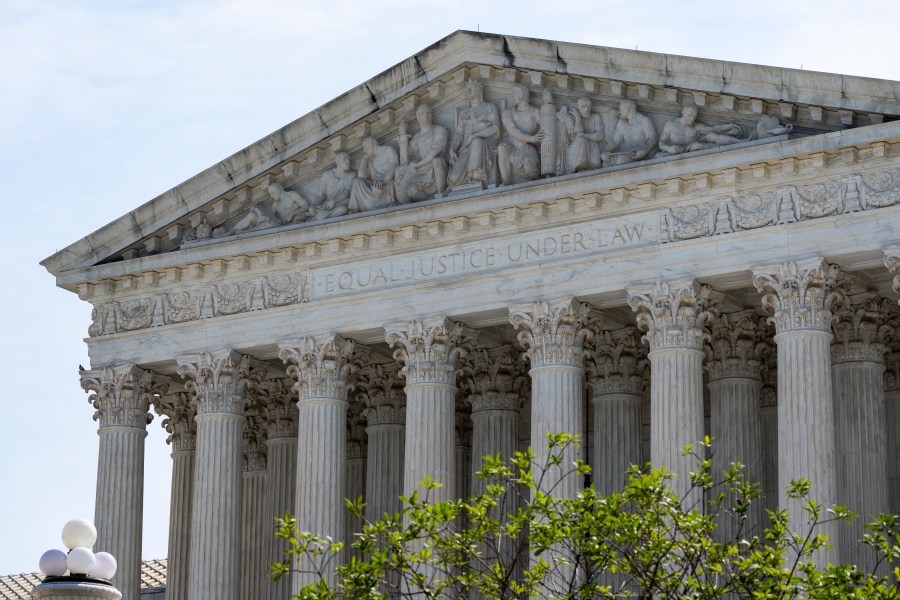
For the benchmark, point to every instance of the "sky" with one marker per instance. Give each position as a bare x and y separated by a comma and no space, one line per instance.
106,104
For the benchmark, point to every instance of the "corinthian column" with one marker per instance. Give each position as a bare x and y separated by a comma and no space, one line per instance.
553,335
858,378
122,397
382,393
892,389
356,473
616,366
255,526
735,380
800,297
179,422
281,471
768,421
322,367
429,350
673,315
219,382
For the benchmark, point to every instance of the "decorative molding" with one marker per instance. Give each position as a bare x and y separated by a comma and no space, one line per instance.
494,380
673,313
429,349
616,363
381,393
860,331
800,295
736,345
322,366
281,408
179,411
219,380
122,395
552,332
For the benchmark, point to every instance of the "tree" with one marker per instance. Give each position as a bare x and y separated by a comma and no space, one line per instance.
517,540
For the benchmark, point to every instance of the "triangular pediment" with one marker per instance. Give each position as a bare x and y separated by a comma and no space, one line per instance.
297,176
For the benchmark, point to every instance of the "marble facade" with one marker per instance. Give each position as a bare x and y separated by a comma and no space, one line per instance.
496,239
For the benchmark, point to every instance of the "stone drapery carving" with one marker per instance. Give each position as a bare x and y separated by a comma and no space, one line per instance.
860,331
373,187
322,366
687,135
633,139
736,346
281,408
179,412
583,135
429,349
553,332
423,162
616,363
220,380
800,295
518,159
672,313
476,134
122,395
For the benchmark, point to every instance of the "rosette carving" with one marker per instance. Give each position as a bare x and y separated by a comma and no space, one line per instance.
322,366
799,295
672,313
219,381
429,350
122,395
552,332
736,346
179,412
860,330
617,362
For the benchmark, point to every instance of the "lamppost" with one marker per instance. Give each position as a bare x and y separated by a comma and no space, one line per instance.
78,573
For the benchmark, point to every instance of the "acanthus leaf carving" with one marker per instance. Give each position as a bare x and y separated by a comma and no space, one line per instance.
219,381
736,346
179,411
860,330
552,332
617,362
281,408
495,380
672,313
322,366
122,395
799,295
430,349
256,431
381,392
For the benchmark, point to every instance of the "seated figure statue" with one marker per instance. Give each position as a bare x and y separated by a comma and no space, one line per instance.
518,158
687,135
634,137
424,174
472,146
373,187
769,126
333,190
582,132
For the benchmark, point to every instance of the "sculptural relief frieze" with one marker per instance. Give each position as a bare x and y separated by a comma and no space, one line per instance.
520,133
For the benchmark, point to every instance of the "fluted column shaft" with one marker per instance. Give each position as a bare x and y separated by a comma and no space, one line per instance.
119,512
355,487
768,426
255,534
385,458
494,432
180,524
892,427
431,450
281,482
556,405
736,431
617,439
861,451
121,397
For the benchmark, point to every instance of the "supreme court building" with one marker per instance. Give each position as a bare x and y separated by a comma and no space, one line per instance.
495,239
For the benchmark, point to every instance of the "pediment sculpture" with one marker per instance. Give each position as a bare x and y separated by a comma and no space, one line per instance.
489,145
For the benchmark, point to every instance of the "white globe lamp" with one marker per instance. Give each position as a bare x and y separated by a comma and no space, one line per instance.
53,563
81,561
106,566
79,533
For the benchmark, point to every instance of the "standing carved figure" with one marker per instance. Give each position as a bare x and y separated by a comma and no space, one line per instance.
472,147
583,133
425,173
634,137
518,159
373,187
687,135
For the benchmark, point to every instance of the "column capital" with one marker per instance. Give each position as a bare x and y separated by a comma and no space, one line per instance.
860,329
616,362
219,380
672,313
255,433
381,393
179,411
281,408
495,379
321,365
122,395
553,332
800,295
429,349
736,345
